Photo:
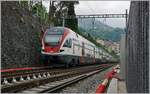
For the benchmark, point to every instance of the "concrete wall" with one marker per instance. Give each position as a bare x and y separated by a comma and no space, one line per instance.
137,67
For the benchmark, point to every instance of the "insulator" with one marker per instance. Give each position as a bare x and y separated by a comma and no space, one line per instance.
5,81
21,78
39,76
34,77
14,80
48,75
44,75
28,77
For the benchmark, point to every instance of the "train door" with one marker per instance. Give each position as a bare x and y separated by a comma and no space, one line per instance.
73,48
83,48
94,55
82,53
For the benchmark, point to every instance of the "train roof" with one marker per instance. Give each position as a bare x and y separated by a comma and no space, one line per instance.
59,27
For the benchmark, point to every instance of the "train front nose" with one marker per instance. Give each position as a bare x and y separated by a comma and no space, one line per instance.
52,43
51,49
53,39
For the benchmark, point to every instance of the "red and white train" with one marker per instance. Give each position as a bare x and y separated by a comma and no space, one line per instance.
63,46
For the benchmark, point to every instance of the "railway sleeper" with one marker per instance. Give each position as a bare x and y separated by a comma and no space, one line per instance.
39,81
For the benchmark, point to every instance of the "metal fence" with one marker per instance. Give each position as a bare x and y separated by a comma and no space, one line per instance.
137,52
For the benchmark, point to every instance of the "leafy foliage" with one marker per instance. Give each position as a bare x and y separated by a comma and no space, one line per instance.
102,31
71,23
39,10
113,35
66,8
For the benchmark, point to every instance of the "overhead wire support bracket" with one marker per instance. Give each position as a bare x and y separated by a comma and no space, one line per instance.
97,16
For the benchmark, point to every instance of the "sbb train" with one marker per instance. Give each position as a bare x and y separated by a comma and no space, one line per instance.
61,45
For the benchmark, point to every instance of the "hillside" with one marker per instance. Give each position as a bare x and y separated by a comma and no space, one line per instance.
101,31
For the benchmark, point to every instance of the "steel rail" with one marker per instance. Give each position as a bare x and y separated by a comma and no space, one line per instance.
19,86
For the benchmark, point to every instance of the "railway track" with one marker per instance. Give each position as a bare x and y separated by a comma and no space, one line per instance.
11,76
59,79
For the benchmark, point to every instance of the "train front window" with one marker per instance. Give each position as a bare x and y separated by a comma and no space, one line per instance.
53,36
53,39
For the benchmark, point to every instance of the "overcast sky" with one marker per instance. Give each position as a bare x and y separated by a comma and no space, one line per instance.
101,7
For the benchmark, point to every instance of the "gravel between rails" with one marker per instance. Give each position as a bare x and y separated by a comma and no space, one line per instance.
87,85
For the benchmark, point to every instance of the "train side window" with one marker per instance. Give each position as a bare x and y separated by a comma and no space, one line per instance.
76,34
68,43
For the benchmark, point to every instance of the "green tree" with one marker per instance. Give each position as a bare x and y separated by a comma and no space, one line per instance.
66,8
39,10
72,23
52,10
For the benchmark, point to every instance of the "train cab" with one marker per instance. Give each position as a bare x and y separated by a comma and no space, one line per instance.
53,39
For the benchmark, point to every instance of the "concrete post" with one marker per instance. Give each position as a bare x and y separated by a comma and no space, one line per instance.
122,56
